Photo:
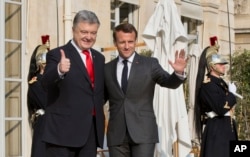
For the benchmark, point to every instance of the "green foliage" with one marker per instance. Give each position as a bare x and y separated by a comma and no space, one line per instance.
241,74
146,52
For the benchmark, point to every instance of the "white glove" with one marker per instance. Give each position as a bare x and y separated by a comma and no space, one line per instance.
232,88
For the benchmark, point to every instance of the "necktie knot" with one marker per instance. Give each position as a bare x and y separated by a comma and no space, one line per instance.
125,62
86,52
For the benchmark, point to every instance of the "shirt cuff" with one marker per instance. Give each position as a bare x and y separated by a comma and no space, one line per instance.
181,76
61,75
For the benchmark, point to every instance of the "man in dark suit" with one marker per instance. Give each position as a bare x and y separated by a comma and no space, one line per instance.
132,129
74,125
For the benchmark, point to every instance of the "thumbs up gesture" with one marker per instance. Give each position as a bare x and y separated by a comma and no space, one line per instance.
64,64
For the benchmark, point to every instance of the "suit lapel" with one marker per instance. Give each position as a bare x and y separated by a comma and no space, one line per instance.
133,70
76,58
114,73
96,59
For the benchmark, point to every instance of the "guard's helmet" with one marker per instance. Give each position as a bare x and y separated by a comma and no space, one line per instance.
41,55
212,55
216,59
42,51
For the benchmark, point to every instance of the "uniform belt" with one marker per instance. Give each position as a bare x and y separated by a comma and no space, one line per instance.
212,114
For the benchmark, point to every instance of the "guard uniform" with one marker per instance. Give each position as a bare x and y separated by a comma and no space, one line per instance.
37,100
218,105
37,97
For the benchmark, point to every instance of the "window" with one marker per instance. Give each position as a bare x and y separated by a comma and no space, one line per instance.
123,11
11,77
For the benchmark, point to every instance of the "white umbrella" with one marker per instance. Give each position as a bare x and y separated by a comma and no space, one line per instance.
194,57
164,34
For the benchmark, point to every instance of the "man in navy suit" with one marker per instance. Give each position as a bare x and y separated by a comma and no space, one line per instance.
132,129
74,117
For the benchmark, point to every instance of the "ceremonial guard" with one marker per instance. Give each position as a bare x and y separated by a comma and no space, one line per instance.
36,97
215,102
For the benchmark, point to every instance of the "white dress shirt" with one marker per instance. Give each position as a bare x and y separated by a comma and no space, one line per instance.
120,66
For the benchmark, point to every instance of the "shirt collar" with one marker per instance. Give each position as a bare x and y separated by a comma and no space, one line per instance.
77,48
130,59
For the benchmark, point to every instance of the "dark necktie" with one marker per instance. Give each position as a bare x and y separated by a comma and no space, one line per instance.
89,66
125,76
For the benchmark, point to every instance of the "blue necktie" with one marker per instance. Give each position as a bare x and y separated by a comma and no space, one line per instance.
125,76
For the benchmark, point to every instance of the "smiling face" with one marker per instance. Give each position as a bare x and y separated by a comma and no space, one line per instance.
84,34
125,43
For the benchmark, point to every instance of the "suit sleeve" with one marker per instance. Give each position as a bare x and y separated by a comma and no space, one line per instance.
216,99
51,76
162,77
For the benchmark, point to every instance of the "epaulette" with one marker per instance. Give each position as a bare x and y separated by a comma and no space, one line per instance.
34,79
207,80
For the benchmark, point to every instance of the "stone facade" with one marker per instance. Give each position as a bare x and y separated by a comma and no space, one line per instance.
242,24
54,19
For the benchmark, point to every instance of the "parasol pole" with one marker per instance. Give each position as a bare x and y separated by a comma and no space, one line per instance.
176,149
57,22
229,32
